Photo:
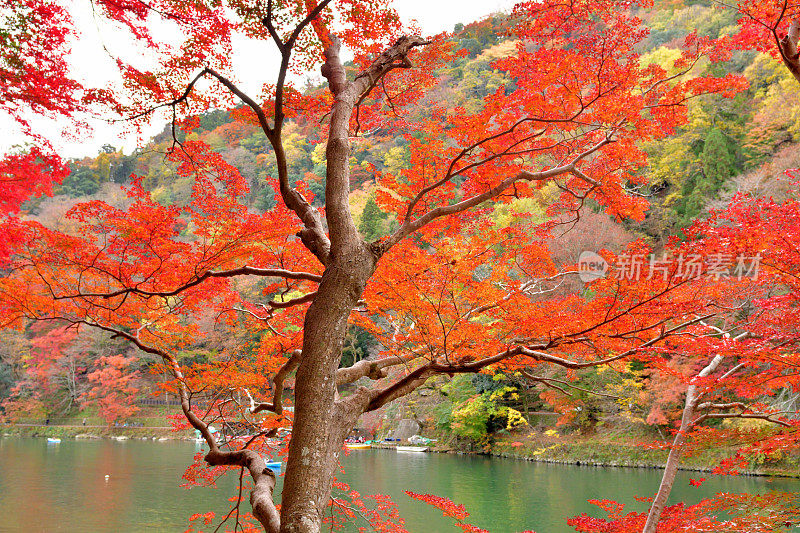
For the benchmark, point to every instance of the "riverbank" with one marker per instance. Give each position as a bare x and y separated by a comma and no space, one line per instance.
612,451
597,452
94,432
554,449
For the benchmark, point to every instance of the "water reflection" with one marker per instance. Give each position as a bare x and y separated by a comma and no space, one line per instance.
505,496
62,487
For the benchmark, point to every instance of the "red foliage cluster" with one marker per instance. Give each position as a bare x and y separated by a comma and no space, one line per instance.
450,290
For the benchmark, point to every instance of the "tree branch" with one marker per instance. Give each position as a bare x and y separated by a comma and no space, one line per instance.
417,377
410,226
313,235
263,478
769,417
547,382
374,369
264,483
241,271
277,395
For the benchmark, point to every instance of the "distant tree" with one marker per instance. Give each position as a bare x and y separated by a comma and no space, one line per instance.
372,221
113,388
717,159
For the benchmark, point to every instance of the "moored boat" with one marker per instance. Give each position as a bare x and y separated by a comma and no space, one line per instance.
358,445
52,440
411,448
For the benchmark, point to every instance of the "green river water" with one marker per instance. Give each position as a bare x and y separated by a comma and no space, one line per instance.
62,487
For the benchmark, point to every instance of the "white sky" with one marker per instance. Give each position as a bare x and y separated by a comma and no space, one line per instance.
92,65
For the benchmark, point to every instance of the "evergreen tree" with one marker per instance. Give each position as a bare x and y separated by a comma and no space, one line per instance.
372,218
718,160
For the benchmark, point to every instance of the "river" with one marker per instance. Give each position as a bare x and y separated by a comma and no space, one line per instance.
62,487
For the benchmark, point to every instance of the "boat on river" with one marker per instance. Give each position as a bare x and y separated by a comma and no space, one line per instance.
358,445
411,448
275,466
51,440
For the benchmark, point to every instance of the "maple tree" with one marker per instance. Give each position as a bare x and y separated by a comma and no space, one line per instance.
750,357
773,27
447,292
113,388
48,356
35,81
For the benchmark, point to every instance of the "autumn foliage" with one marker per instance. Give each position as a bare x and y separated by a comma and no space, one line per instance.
113,389
267,297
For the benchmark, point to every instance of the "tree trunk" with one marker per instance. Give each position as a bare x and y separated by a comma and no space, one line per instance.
789,49
673,460
320,421
670,468
319,425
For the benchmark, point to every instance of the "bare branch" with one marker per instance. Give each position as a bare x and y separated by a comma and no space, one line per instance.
277,395
744,412
172,103
548,382
410,226
241,271
294,301
264,483
374,369
419,376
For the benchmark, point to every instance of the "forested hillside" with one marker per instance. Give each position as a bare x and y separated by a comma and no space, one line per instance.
567,232
726,146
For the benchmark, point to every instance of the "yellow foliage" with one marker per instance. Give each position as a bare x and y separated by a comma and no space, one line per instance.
540,451
358,199
663,57
502,391
318,154
396,159
507,213
502,49
747,424
515,419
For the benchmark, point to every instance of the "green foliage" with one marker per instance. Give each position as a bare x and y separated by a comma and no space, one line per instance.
456,391
718,159
358,343
81,182
265,198
211,120
476,407
477,36
196,356
712,168
669,24
318,188
373,221
7,380
470,419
